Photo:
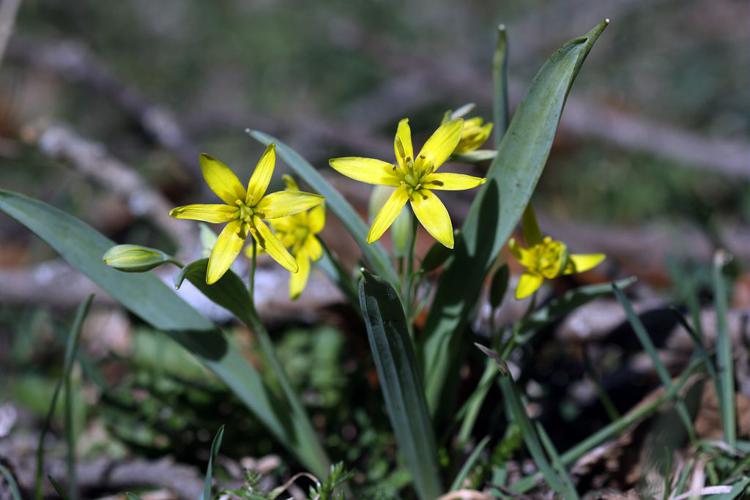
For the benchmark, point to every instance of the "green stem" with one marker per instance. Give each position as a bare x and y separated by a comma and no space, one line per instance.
253,265
409,274
253,322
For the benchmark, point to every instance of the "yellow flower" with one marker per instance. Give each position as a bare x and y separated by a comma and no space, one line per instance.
548,259
298,233
473,135
414,178
244,212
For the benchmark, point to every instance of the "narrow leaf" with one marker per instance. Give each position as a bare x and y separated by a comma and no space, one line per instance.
11,482
399,380
374,254
724,353
469,464
209,478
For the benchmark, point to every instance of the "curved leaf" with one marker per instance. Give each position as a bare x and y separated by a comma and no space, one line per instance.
151,300
511,180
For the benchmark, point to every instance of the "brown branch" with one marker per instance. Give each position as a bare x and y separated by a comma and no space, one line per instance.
94,162
76,63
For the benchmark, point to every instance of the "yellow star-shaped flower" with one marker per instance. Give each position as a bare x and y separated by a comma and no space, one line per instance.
415,179
474,134
298,233
546,258
244,212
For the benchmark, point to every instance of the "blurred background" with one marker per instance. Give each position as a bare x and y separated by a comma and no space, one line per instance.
105,106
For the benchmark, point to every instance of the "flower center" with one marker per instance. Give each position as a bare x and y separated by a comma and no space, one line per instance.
411,177
551,257
300,233
246,212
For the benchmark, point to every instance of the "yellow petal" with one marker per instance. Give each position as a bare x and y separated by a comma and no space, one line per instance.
452,182
273,246
367,170
440,145
284,203
298,280
388,214
261,177
290,183
402,143
222,180
205,212
528,284
313,248
316,218
578,263
227,247
434,216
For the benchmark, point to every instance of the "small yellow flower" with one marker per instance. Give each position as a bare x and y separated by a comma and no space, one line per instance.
244,212
548,259
298,233
474,134
414,178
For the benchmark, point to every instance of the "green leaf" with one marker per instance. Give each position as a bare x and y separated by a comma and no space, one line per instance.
469,464
436,256
724,363
499,204
499,285
11,482
209,478
229,292
567,302
500,107
402,388
374,254
71,347
155,303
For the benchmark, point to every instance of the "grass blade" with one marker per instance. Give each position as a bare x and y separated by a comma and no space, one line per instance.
209,479
71,346
567,482
11,482
517,414
148,298
402,388
374,254
724,353
648,345
58,488
499,204
469,464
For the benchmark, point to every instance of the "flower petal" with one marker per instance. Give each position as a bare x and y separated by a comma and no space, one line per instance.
440,145
215,213
273,246
261,177
298,280
316,218
283,203
313,248
452,182
434,216
528,284
402,143
367,170
578,263
221,180
388,214
524,256
227,247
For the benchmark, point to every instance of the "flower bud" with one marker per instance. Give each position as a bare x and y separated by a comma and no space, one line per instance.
135,258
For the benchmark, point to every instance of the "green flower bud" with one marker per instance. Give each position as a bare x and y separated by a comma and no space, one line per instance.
135,258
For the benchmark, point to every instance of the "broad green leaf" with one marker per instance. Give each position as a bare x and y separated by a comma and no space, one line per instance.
229,292
499,204
155,303
209,478
400,382
499,285
374,254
